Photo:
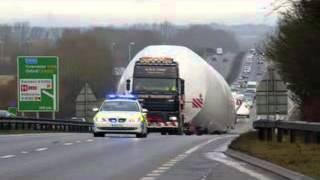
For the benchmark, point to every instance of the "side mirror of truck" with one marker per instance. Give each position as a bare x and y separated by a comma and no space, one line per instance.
182,86
128,82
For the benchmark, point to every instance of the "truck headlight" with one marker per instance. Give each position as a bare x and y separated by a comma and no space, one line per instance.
173,118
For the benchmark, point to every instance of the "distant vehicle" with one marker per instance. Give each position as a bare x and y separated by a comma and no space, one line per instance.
244,110
219,51
5,113
80,119
213,58
260,62
252,86
120,114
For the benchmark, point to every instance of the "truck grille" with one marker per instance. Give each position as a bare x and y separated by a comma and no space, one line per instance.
160,105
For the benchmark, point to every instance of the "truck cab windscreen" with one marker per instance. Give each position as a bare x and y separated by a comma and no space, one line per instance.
155,85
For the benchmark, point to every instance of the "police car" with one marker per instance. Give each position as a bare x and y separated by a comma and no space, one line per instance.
120,114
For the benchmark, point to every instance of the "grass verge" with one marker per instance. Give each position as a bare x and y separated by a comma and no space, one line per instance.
298,156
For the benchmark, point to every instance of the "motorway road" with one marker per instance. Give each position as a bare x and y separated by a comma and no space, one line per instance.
79,156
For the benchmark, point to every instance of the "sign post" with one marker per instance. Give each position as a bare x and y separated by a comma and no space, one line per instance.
38,84
272,96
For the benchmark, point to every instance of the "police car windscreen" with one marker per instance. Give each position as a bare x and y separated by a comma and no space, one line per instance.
151,85
119,106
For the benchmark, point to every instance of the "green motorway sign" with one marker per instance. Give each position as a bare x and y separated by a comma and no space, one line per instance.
38,84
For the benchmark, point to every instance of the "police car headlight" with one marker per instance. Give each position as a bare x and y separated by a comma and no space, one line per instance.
135,120
100,120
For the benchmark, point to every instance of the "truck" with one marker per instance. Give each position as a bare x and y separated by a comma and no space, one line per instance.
180,90
160,90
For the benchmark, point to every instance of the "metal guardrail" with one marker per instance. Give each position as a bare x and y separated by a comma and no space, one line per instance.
308,130
20,123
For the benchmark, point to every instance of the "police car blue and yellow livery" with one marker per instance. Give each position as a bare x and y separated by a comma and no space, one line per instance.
120,114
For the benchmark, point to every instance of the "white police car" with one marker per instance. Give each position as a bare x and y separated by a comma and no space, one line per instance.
120,114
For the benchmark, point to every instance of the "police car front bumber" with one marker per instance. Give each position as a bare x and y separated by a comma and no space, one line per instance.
120,114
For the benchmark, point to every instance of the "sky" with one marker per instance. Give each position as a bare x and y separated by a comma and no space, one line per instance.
124,12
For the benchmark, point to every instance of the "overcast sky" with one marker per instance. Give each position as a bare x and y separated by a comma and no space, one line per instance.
121,12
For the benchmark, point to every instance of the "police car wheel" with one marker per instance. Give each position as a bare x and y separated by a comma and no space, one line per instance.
139,135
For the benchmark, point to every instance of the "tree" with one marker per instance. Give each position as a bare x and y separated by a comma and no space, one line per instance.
84,58
294,49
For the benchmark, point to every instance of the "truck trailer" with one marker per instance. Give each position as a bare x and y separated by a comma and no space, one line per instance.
181,91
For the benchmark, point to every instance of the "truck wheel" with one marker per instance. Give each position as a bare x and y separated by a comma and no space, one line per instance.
163,132
98,134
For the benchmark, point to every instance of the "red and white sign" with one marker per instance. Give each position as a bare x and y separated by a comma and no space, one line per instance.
30,89
197,102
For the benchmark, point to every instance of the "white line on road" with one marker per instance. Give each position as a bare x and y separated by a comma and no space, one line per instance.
220,157
24,152
148,178
153,174
7,156
42,149
67,144
158,171
163,168
78,141
89,140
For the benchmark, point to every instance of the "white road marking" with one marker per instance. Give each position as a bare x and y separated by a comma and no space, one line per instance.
42,149
158,171
163,168
168,164
220,157
78,141
8,156
148,178
154,174
200,145
89,140
67,144
24,152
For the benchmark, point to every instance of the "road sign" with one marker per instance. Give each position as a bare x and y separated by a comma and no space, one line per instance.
85,102
12,110
272,95
38,84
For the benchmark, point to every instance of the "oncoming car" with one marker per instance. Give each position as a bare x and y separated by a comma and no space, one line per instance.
120,114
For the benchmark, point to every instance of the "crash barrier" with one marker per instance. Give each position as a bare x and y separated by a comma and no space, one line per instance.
267,129
49,125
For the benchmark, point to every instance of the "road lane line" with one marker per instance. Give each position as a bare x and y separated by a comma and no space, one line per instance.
42,149
24,152
163,168
166,166
89,140
222,158
78,141
7,156
67,144
148,178
158,171
153,174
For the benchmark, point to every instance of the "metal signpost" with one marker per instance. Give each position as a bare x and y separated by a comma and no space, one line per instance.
272,96
38,84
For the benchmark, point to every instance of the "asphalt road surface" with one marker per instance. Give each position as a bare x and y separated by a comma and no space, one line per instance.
80,156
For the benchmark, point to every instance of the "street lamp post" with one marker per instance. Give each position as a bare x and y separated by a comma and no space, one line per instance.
130,49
